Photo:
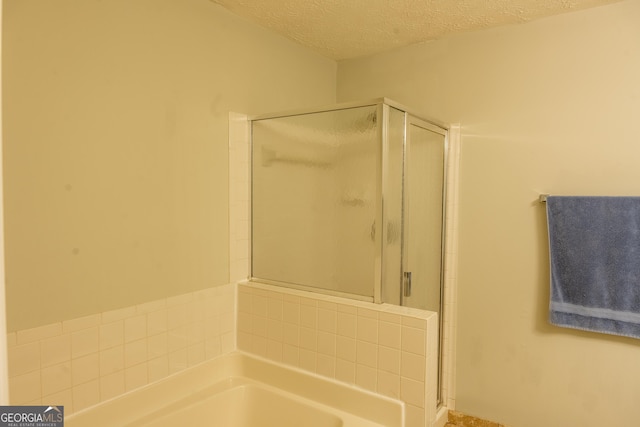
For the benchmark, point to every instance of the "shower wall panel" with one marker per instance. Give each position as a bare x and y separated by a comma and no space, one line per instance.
314,199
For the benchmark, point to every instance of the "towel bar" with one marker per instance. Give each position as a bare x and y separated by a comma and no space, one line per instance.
543,198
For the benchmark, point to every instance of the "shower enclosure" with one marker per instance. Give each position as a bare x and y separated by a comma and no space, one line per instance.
349,200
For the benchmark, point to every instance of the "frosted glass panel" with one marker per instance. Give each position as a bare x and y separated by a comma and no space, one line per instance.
424,188
314,199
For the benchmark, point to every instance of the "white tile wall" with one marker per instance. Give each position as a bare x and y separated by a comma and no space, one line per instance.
239,215
385,349
81,362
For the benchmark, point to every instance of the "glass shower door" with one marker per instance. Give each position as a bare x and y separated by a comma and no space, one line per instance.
423,216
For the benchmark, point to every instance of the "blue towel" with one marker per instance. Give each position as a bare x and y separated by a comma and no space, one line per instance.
594,246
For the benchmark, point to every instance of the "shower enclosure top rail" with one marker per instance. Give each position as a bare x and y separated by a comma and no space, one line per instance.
347,105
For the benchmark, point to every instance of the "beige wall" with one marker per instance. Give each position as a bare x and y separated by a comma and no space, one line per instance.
546,107
115,145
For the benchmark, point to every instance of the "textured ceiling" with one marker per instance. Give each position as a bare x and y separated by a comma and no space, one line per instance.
342,29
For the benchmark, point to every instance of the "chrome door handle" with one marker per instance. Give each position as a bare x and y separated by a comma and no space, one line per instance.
406,283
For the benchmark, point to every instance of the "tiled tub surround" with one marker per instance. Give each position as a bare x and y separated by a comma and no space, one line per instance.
386,349
82,362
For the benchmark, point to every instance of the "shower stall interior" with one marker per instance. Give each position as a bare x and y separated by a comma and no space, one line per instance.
349,200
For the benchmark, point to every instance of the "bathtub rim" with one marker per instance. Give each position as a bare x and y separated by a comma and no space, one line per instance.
326,391
247,389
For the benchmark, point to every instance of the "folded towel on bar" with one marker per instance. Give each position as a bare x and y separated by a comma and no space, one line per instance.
594,248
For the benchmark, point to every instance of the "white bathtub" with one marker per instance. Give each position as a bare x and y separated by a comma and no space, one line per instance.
238,390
